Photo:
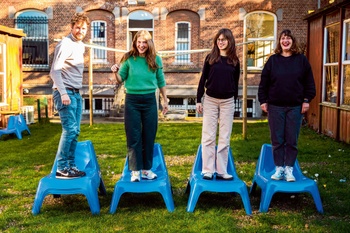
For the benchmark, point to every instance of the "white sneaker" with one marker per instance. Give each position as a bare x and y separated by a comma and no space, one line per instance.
225,176
148,174
207,176
288,171
278,174
135,176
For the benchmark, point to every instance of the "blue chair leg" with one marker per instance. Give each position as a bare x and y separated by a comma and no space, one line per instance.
193,198
118,192
246,201
168,198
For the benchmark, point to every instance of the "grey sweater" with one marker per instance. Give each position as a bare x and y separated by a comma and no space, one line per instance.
68,64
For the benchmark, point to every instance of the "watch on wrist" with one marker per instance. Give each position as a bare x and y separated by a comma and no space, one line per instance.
306,101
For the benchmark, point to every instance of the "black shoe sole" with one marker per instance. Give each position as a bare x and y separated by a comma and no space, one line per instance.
221,178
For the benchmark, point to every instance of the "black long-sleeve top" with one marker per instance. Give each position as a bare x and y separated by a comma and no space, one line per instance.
219,80
286,81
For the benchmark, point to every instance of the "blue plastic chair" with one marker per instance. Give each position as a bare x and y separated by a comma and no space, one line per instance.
88,185
161,184
196,184
15,125
264,170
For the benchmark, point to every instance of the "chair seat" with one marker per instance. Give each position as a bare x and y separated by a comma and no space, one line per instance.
197,185
88,185
16,125
262,178
161,184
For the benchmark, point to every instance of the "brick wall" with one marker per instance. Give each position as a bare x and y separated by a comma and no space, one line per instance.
218,14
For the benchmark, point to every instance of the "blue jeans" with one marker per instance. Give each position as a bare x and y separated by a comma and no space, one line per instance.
285,124
70,116
141,123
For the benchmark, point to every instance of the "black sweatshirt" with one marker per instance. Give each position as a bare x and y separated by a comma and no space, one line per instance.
220,80
286,81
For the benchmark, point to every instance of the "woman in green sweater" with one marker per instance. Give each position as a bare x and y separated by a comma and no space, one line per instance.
141,70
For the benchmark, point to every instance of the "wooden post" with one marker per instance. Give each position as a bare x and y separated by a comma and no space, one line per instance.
244,101
91,84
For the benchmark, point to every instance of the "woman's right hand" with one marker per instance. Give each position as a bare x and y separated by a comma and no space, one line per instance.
264,107
115,68
199,108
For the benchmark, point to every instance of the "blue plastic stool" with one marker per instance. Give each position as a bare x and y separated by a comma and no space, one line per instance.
15,125
197,184
265,168
88,185
161,184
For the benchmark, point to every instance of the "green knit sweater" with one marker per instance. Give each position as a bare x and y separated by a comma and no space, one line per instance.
138,78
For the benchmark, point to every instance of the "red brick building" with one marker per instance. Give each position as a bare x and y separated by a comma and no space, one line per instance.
175,25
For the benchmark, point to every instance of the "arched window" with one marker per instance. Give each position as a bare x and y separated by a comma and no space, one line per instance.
139,20
99,37
259,29
182,41
35,44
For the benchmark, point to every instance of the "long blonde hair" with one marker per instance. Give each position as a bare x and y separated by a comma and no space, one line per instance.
150,53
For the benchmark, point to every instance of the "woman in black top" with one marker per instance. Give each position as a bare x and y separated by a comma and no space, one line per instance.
286,88
219,87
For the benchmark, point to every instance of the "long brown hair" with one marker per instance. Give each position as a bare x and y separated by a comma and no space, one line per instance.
295,49
214,55
150,53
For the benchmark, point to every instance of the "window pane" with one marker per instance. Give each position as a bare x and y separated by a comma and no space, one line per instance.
260,25
346,85
98,34
332,43
182,31
98,104
35,44
182,41
347,42
331,83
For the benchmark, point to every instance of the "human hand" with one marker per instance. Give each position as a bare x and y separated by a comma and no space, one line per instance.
165,107
65,99
264,107
115,68
199,108
305,107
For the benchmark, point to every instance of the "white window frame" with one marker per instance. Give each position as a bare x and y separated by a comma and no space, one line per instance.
254,40
182,40
3,75
98,41
326,65
139,15
41,14
345,61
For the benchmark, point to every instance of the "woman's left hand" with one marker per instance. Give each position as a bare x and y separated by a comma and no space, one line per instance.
305,107
165,107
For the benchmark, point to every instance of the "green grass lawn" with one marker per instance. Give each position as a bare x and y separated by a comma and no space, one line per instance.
24,162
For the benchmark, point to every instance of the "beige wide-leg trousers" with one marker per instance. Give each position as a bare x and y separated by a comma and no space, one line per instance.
216,111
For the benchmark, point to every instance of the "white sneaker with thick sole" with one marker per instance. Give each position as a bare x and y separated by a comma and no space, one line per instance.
225,176
288,171
278,174
148,174
135,176
207,176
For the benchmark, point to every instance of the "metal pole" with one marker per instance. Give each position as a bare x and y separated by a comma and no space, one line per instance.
91,84
244,101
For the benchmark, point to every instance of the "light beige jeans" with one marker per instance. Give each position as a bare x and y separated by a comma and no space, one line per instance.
216,111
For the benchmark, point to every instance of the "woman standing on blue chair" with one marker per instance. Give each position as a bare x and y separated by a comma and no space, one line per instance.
286,88
142,71
219,87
